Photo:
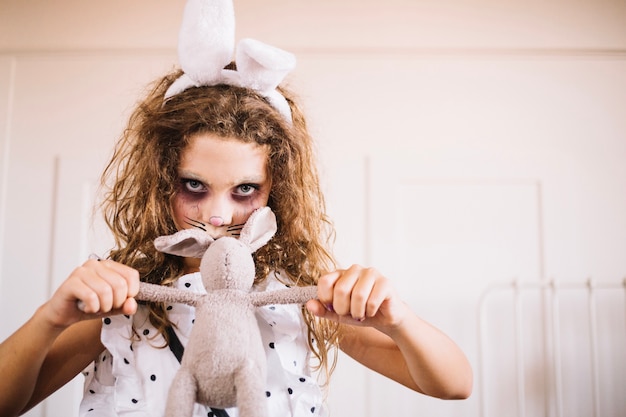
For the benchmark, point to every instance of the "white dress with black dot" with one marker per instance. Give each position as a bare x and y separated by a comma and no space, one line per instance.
132,376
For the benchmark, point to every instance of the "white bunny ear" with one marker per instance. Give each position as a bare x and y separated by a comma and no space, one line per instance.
259,229
206,42
191,243
206,39
263,66
206,45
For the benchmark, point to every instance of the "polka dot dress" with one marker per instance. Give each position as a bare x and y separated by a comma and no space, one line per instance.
132,376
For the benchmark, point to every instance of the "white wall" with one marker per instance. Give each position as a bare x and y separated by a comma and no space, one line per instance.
462,143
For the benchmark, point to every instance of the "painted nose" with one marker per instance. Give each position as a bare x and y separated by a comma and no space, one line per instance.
218,214
216,221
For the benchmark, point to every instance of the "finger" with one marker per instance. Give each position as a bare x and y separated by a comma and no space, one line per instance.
381,292
108,286
325,286
129,307
100,289
361,293
87,300
316,308
124,281
319,310
104,285
130,275
342,290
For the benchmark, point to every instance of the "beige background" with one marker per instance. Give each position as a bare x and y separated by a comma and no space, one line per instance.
463,144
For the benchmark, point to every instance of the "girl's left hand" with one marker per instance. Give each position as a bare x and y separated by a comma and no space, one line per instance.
358,296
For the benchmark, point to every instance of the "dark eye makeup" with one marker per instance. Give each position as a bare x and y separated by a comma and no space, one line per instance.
245,190
193,186
197,189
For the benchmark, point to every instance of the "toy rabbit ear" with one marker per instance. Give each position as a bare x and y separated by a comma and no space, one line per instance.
259,229
191,243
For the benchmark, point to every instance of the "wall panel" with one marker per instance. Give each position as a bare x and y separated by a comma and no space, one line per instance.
7,71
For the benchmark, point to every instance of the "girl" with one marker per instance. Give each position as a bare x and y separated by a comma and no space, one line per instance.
206,156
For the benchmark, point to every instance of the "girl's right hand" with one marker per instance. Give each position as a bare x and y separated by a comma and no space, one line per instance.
94,289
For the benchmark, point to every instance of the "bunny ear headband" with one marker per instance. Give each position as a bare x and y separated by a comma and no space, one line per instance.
205,46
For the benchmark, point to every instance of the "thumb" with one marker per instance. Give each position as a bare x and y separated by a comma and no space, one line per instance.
129,307
316,308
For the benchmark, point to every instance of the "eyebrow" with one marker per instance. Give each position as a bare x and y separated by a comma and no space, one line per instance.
190,176
254,179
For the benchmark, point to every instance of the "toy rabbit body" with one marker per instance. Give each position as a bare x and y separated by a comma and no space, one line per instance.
224,362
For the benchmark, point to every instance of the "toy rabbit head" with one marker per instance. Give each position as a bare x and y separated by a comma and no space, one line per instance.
226,262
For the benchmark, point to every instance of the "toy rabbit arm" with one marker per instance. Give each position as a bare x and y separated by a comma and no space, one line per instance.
293,295
159,293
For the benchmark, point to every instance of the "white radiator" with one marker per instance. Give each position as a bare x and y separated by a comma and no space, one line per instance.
552,348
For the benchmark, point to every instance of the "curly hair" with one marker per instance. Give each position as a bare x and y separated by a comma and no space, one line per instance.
141,177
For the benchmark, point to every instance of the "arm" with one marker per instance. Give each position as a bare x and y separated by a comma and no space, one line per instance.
162,294
419,357
60,339
36,372
293,295
387,337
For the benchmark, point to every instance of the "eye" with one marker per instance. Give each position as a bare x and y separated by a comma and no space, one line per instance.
194,186
246,189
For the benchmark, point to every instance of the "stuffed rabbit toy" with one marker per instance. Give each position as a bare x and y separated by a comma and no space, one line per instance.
224,364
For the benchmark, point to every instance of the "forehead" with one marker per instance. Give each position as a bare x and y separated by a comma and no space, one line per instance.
208,155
